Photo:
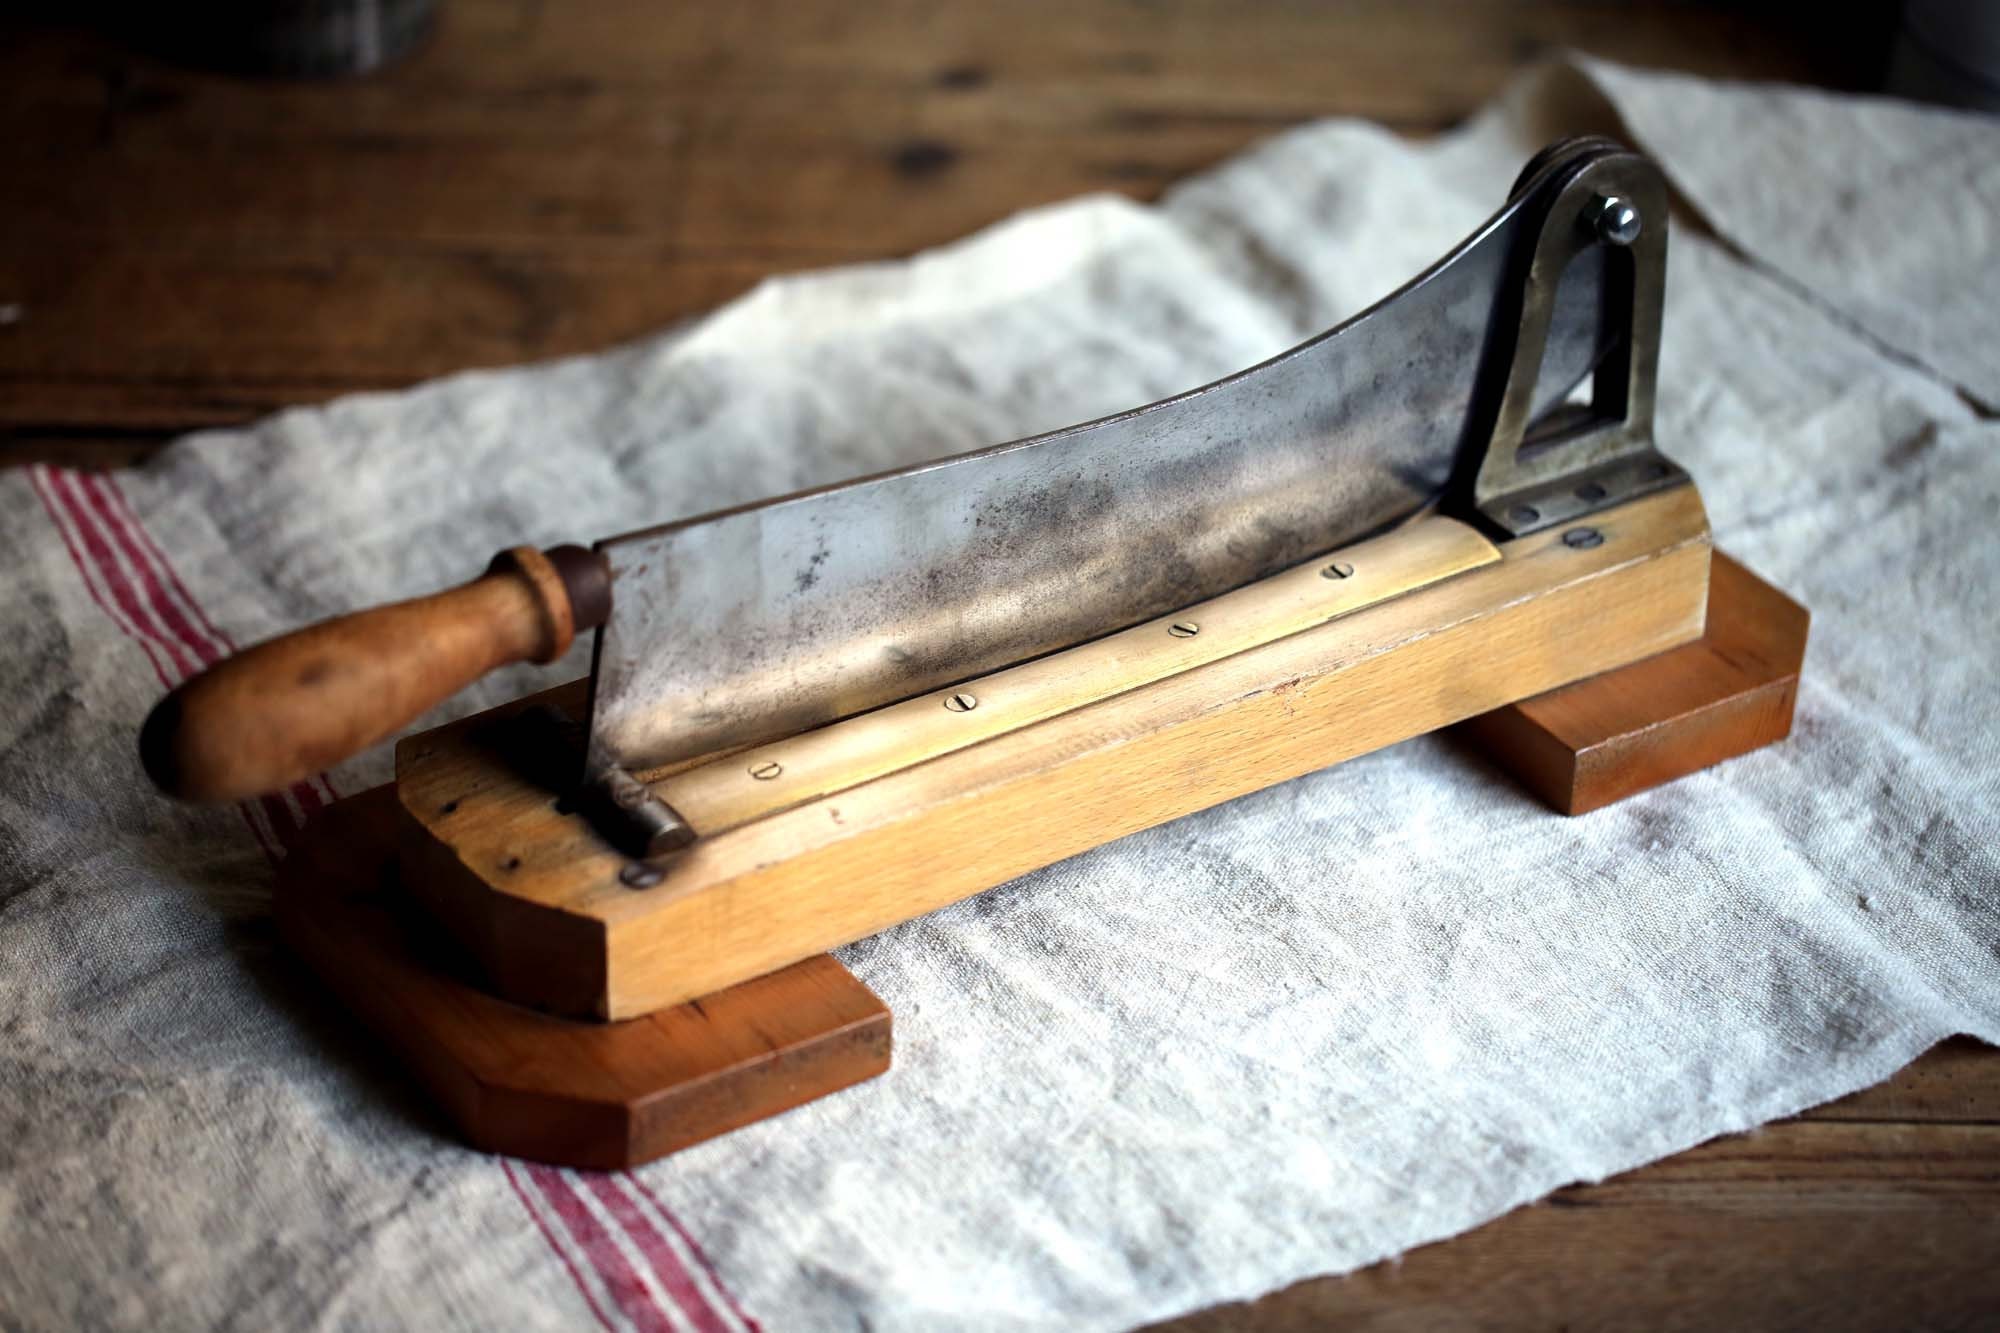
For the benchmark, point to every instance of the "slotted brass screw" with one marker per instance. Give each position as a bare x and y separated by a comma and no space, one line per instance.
1339,569
1183,629
765,770
961,702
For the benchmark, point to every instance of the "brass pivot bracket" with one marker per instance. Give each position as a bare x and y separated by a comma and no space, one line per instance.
1605,223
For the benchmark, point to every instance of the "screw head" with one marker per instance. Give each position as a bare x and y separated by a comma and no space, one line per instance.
639,875
1616,221
1339,569
766,769
960,702
1183,629
1524,513
1582,539
1590,492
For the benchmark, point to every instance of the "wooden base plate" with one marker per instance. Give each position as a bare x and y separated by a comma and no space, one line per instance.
545,903
611,1095
514,1081
1623,732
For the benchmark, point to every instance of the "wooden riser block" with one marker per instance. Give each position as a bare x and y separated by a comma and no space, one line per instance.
522,1083
1614,735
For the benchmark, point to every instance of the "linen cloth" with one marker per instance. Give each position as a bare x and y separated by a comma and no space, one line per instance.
1293,1035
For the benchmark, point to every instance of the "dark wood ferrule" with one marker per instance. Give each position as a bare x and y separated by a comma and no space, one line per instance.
586,577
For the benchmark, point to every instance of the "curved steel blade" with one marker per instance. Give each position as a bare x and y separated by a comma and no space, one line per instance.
763,621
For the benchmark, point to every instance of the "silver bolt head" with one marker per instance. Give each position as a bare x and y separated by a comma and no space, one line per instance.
1617,222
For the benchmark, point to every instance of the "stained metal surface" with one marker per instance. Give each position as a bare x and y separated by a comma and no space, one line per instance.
759,622
1604,203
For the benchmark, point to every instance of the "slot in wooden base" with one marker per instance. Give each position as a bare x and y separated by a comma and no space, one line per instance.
514,1081
1626,731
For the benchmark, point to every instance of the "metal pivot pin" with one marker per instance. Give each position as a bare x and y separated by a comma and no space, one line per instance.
1615,220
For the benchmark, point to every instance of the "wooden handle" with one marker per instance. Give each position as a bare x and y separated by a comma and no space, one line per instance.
285,709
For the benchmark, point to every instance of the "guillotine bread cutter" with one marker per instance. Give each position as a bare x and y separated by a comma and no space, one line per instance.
593,922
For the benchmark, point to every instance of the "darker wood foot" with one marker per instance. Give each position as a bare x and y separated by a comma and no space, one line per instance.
1626,731
523,1083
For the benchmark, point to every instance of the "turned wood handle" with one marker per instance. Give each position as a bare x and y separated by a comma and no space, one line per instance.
279,712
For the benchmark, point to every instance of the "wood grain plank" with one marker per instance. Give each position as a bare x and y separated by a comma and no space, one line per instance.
112,339
185,249
1801,1225
1956,1081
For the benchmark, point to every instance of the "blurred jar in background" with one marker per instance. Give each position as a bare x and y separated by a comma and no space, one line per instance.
294,38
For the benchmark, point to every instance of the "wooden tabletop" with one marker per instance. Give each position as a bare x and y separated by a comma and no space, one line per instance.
181,249
1878,1211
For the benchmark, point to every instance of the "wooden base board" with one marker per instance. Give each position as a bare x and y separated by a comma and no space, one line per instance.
522,1083
1626,731
560,921
609,1095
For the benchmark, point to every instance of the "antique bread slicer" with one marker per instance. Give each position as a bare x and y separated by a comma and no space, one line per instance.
593,922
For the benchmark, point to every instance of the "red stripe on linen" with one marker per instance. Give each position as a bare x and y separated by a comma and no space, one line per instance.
116,494
512,1171
165,609
601,1252
153,607
104,562
700,1257
653,1247
96,579
38,481
172,609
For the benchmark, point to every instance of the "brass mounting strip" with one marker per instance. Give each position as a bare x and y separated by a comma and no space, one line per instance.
750,784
